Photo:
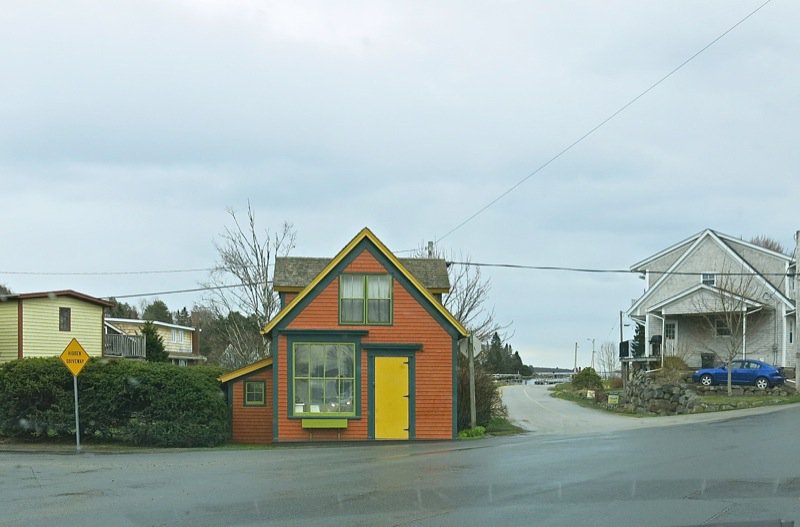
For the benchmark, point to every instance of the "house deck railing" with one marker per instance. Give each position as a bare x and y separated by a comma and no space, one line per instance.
125,346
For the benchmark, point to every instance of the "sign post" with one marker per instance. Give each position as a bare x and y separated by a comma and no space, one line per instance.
75,358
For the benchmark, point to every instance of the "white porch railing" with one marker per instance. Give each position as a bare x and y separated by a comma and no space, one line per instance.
125,346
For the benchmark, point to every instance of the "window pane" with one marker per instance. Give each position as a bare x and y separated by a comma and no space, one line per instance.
346,361
331,361
301,357
378,311
352,310
317,361
352,286
317,398
346,395
378,286
300,391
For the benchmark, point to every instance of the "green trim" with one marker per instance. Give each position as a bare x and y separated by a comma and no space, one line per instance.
323,337
455,353
367,245
389,347
229,395
263,401
275,365
365,309
327,333
412,387
324,423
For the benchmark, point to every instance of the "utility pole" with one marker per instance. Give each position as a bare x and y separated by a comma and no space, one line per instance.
592,352
575,367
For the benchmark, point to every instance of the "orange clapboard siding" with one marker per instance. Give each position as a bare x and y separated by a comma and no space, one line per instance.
252,424
411,324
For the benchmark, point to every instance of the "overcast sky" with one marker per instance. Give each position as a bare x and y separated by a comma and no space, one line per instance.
128,128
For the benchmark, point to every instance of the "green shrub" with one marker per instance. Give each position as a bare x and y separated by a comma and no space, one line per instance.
587,379
153,404
488,402
478,431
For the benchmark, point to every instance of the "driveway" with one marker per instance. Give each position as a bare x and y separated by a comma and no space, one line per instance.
532,408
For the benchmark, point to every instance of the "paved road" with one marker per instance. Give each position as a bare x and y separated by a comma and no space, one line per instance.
737,469
532,408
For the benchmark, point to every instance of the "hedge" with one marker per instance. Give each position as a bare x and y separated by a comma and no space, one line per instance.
140,403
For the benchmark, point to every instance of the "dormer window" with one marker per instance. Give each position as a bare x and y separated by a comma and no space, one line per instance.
709,279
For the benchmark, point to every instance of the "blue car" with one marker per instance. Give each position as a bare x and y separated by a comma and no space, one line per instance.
750,371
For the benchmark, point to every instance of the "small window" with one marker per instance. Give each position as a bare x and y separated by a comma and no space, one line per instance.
255,393
365,299
722,328
669,330
177,336
708,279
64,319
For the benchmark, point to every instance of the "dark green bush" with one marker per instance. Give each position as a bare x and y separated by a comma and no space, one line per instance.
587,379
134,402
488,402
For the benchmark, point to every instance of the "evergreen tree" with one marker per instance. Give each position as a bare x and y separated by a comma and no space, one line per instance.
157,312
494,357
637,342
154,344
122,310
183,318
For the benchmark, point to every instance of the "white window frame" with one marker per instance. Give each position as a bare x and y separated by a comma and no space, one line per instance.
705,278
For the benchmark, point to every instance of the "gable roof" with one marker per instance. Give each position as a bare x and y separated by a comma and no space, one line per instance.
719,239
293,274
702,288
641,266
53,294
250,368
366,235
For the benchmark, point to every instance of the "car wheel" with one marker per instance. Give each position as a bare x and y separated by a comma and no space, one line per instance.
707,380
762,383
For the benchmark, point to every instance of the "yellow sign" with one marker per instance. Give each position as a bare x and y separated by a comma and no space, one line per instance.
613,399
74,357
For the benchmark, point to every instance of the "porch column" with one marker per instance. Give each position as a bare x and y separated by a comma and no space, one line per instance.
744,335
647,334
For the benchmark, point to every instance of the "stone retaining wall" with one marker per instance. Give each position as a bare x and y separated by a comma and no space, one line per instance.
644,395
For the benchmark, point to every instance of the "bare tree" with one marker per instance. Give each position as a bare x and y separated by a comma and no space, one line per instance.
468,296
241,293
768,243
609,358
725,309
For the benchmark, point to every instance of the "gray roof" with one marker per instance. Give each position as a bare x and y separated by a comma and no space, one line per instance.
297,272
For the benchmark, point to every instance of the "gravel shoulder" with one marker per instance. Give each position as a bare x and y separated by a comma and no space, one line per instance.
533,409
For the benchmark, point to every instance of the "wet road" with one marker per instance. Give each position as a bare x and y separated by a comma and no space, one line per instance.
731,470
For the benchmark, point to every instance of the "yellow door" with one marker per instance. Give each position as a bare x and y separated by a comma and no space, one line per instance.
391,398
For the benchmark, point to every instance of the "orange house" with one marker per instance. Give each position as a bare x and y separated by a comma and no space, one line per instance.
362,349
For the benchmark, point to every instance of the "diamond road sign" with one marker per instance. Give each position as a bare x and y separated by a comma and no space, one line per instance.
74,357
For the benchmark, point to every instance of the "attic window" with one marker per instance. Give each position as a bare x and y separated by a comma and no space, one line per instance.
708,279
365,299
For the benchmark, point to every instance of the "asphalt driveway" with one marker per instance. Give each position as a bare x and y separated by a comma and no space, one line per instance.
532,408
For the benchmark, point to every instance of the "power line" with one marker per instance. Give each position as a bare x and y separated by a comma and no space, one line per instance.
606,271
602,123
193,290
108,273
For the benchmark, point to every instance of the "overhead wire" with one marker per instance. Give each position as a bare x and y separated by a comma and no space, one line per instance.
602,123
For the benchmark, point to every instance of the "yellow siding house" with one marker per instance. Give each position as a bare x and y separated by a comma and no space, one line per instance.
42,324
180,342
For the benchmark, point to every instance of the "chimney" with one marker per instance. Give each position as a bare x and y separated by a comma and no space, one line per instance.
430,249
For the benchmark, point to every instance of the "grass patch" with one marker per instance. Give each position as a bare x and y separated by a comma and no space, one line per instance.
500,426
748,401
